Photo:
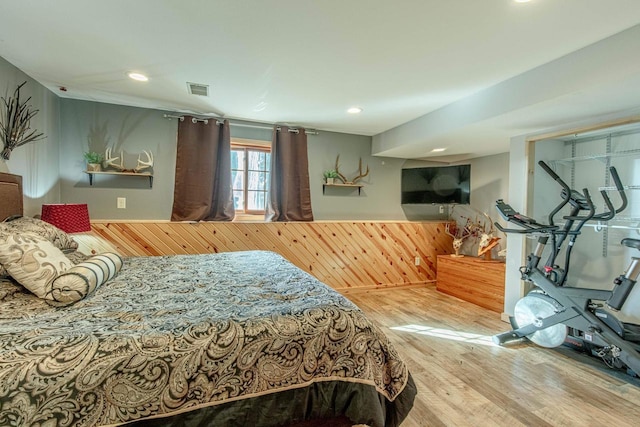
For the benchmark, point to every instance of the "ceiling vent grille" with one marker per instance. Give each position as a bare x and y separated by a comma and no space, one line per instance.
198,89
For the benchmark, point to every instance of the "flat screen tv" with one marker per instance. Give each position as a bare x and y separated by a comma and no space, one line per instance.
440,184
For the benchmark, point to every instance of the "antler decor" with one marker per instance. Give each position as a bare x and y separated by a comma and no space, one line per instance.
487,240
145,165
354,180
477,225
111,161
14,123
459,234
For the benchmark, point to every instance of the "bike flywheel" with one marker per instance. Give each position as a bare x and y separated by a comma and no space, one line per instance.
532,309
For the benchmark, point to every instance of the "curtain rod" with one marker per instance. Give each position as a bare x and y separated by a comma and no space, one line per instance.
219,122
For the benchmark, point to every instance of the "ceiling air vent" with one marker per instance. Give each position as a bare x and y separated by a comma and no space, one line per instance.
198,89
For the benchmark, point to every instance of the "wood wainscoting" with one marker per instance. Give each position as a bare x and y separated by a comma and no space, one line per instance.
347,255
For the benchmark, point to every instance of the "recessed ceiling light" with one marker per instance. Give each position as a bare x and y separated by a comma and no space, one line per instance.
139,77
354,110
522,1
438,150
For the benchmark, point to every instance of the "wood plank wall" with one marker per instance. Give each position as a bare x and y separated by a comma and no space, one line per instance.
349,256
473,279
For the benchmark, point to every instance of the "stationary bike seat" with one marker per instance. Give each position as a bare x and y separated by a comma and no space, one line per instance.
631,243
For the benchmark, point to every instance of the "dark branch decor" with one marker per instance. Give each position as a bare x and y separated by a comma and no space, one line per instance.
14,123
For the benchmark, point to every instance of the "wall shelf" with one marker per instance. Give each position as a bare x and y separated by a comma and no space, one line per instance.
358,186
626,187
569,161
141,174
620,222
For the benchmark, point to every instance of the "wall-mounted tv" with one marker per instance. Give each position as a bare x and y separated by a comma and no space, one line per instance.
440,184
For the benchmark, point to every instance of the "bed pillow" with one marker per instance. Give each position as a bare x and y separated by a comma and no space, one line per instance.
82,279
32,261
76,257
59,238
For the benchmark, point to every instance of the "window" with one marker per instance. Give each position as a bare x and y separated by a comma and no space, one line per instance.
250,166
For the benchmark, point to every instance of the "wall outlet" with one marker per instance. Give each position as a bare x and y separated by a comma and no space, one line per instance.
441,209
122,202
417,261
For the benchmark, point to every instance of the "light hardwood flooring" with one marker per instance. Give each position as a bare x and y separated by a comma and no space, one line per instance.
463,383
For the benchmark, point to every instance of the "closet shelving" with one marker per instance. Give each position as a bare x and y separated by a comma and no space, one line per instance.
611,150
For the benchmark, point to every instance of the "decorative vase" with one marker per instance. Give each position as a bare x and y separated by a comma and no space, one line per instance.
94,167
330,181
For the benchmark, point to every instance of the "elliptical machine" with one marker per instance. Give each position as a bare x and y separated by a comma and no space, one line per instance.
551,313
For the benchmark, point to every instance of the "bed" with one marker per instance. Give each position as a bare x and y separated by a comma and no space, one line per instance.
231,339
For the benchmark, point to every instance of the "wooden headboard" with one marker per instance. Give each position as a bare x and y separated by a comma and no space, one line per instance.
10,195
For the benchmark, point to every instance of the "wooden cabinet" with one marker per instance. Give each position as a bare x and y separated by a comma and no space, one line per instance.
472,279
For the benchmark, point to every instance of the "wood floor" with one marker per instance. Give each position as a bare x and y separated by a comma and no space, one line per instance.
463,383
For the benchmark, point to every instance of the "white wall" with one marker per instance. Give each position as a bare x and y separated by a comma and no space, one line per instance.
379,199
518,184
489,182
93,126
37,162
52,169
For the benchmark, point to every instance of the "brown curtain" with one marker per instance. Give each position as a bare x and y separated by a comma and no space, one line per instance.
289,195
203,172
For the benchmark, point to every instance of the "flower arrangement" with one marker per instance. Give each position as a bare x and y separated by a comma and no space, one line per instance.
93,157
330,175
94,161
15,121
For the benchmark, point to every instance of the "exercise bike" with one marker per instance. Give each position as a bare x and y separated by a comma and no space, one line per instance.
552,314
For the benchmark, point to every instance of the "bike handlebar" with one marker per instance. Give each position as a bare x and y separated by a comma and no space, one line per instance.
563,184
605,216
591,208
553,175
527,229
620,188
578,201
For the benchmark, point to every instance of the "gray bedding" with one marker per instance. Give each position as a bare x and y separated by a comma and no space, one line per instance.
175,336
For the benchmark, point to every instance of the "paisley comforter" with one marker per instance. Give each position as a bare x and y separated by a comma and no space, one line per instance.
207,338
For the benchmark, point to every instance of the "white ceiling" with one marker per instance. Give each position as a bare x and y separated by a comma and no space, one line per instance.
305,62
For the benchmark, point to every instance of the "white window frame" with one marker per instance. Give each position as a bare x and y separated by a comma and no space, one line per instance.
256,146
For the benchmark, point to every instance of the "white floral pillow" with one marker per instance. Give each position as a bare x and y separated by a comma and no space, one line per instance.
32,261
25,224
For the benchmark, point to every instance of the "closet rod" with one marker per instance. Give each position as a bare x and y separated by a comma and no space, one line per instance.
206,120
